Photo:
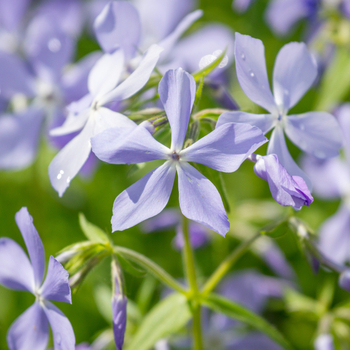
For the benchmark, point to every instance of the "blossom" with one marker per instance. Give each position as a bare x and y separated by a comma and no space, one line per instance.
241,6
224,149
31,329
317,133
88,116
286,190
324,342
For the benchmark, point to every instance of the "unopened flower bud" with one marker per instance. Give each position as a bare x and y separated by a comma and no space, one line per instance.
344,280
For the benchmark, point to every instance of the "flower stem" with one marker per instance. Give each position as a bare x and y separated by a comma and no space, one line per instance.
190,272
226,265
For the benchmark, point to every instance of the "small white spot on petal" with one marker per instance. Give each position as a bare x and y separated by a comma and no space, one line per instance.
54,45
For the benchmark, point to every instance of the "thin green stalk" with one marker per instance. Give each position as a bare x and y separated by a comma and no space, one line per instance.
151,267
190,272
226,265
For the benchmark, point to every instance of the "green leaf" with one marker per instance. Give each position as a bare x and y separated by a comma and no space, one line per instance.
216,178
238,312
129,267
91,231
166,318
209,68
336,81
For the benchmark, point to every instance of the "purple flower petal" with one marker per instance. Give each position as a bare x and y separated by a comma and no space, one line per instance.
16,272
137,79
241,6
11,13
251,71
70,159
225,148
177,91
167,219
199,199
19,138
324,342
118,26
343,116
334,236
344,280
282,15
264,122
199,236
277,145
293,74
254,341
33,243
14,76
30,330
128,145
144,199
285,189
63,334
119,302
105,75
56,286
317,133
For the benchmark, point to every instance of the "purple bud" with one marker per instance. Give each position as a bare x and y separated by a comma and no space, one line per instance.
344,280
286,190
324,342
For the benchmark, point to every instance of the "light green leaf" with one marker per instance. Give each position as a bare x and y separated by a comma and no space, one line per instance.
238,312
166,318
91,231
336,81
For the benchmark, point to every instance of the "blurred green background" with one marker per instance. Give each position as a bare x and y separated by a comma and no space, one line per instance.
56,219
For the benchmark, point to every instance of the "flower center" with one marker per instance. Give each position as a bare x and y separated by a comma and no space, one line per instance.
175,156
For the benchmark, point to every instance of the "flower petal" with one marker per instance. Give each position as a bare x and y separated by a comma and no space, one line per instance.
200,201
264,122
16,272
118,26
251,71
56,286
282,15
33,242
105,74
19,138
334,236
166,220
144,199
225,148
343,116
11,13
277,145
63,334
177,91
293,74
137,79
317,133
128,145
30,330
70,159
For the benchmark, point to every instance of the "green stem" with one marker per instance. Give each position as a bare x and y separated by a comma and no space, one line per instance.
190,272
226,265
151,267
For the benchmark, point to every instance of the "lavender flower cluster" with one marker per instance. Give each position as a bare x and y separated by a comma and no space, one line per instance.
115,105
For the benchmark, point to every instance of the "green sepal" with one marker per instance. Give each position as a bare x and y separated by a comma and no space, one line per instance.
166,318
276,229
233,310
129,267
91,231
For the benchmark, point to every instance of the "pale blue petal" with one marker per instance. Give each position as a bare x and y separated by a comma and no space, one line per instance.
144,199
12,12
317,133
128,145
63,334
277,145
251,71
199,199
225,148
177,91
293,74
56,285
118,26
30,330
137,79
264,122
16,272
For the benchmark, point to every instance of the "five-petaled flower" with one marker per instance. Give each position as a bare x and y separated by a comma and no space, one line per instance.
31,329
224,150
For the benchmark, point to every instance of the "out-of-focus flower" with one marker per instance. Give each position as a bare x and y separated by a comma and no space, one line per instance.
344,280
241,6
31,329
324,342
199,199
286,190
317,133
